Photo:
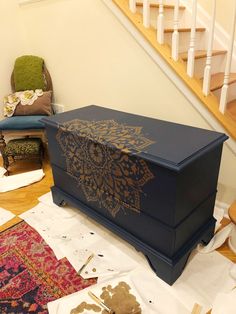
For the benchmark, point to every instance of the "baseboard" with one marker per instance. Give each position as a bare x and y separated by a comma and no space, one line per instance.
58,108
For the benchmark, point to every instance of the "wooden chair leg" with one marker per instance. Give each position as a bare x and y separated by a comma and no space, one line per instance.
2,143
41,157
6,165
2,148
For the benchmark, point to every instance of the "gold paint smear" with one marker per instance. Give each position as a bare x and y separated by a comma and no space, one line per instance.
85,306
120,300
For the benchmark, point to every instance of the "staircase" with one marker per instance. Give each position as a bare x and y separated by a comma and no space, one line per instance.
191,51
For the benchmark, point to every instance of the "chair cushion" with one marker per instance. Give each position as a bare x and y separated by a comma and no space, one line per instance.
24,147
22,123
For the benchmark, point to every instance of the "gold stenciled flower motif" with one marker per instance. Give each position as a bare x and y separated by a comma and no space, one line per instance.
95,152
100,155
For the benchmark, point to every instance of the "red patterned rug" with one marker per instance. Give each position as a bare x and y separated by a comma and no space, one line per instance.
30,274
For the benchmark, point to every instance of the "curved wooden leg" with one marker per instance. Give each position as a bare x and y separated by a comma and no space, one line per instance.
45,143
2,148
2,143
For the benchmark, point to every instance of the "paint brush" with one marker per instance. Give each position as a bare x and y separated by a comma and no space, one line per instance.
99,301
85,264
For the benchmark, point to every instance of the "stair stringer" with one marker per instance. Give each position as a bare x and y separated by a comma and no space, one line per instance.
170,73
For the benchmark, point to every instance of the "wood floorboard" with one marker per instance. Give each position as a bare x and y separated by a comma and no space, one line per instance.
20,200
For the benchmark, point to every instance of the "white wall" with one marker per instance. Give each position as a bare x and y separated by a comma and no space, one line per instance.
12,43
93,59
224,12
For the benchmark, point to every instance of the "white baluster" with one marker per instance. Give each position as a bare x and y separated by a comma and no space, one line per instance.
160,23
132,6
191,51
207,71
175,35
146,13
224,91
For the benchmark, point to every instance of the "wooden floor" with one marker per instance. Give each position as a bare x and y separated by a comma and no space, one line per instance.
21,200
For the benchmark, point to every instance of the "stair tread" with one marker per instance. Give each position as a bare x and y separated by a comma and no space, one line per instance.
156,5
218,79
184,30
231,109
202,54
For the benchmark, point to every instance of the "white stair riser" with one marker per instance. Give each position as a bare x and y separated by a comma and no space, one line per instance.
168,20
218,65
185,39
231,92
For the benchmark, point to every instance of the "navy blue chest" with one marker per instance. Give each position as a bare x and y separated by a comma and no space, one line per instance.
153,182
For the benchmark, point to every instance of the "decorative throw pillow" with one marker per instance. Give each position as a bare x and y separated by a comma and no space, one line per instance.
41,106
28,73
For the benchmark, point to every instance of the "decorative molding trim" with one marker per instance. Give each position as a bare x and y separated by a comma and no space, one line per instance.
170,73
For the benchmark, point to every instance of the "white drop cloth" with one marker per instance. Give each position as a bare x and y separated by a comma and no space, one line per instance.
204,276
232,272
218,239
13,182
218,215
152,297
2,171
67,230
225,303
5,215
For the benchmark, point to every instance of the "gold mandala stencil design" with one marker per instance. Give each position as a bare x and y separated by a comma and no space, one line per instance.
100,156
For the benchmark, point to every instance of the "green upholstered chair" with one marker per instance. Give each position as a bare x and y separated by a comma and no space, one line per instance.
29,73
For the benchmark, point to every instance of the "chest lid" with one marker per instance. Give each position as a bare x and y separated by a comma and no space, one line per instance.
168,144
